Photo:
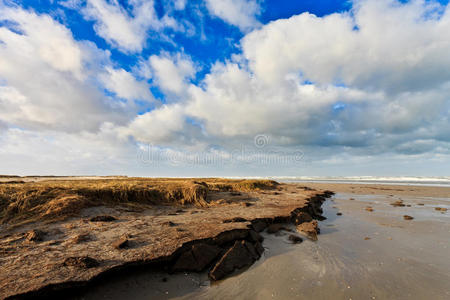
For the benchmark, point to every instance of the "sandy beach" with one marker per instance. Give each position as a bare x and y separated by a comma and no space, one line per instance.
368,252
366,249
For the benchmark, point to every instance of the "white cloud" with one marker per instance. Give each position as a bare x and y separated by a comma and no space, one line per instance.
348,86
125,85
241,13
158,125
171,72
27,152
125,27
162,126
179,4
42,37
72,4
373,87
382,45
46,76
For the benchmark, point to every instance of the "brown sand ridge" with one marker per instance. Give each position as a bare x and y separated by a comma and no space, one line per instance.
58,234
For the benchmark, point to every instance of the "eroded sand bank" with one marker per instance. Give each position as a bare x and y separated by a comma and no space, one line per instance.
42,257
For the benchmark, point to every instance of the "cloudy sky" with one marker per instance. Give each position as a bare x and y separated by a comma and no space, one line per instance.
225,87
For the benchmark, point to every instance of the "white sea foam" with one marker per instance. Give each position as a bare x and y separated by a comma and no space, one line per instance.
408,180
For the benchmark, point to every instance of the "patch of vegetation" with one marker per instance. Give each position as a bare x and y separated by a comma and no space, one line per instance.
53,200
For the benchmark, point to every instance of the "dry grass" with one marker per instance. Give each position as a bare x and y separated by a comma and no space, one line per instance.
58,199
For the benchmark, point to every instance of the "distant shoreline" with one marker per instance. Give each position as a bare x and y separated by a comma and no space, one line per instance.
437,181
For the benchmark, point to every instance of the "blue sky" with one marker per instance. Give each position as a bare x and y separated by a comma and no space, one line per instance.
219,43
326,87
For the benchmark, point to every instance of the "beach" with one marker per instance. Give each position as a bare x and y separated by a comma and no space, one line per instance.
366,249
360,254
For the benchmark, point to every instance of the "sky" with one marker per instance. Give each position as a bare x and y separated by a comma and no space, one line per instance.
225,87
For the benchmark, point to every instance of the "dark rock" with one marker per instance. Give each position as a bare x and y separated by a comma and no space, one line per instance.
164,279
281,219
321,218
103,219
259,225
205,254
259,248
406,217
247,204
280,233
255,237
328,194
339,214
302,217
421,204
311,229
295,239
317,211
229,236
235,194
252,250
398,203
121,243
35,235
197,258
274,228
84,262
238,256
186,262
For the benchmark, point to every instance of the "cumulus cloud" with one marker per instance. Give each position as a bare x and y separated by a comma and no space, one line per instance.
46,76
170,72
125,27
39,36
125,85
159,126
346,86
369,79
240,13
380,45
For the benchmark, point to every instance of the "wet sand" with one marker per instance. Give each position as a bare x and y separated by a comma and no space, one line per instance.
362,254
